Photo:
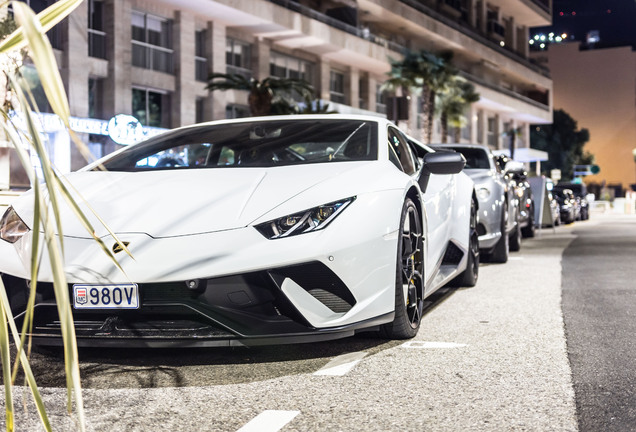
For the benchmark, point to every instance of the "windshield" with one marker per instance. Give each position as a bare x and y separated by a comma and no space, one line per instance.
253,144
476,158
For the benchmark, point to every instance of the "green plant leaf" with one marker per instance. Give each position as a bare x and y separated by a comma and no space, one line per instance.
48,18
43,59
28,373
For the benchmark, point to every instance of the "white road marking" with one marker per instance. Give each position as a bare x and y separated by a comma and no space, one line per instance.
339,366
425,345
269,421
515,258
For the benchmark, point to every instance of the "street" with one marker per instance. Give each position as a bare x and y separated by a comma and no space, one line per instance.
489,358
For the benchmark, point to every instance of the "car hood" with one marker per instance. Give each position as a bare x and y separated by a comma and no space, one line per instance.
185,202
480,175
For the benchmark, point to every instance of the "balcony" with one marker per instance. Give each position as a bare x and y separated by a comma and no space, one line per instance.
452,8
362,32
235,70
496,31
546,5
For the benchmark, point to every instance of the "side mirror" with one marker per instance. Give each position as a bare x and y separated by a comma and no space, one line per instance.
443,163
440,162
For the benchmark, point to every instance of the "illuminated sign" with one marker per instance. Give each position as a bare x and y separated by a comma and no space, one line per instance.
123,129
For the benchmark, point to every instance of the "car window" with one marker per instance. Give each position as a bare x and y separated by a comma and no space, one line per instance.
253,144
398,142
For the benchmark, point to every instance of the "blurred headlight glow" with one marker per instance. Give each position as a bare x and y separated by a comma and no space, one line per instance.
12,228
483,193
302,222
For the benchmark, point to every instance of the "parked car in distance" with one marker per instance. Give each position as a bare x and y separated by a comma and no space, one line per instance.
555,209
518,178
567,205
498,228
580,193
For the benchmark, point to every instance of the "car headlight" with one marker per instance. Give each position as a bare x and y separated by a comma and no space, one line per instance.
483,193
302,222
12,228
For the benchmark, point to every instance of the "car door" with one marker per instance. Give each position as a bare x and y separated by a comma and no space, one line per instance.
437,205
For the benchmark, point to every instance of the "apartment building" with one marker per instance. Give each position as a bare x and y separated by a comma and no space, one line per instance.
150,59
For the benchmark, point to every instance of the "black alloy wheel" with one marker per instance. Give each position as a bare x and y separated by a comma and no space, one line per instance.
409,283
502,248
468,278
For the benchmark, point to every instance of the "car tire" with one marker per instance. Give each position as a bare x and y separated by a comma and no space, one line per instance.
502,248
528,230
409,278
515,238
468,278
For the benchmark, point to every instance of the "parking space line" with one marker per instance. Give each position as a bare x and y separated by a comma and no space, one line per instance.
269,421
432,345
341,365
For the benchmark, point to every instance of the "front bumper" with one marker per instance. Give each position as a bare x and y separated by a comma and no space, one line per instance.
247,309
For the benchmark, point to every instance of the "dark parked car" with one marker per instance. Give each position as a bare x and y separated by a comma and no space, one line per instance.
567,203
580,194
522,189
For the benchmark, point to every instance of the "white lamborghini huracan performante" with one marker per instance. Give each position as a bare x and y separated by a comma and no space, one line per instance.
255,231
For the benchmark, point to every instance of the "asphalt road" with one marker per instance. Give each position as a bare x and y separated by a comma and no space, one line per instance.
599,307
489,358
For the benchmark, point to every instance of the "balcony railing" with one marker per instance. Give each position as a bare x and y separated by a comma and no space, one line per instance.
235,70
478,36
332,22
537,100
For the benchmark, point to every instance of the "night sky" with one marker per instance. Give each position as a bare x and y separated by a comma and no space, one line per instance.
614,19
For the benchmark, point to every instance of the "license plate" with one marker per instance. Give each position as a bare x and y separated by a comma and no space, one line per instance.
122,296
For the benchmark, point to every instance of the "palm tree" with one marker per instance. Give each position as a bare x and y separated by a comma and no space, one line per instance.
266,97
424,73
452,103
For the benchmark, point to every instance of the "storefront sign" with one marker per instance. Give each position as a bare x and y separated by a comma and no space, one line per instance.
123,129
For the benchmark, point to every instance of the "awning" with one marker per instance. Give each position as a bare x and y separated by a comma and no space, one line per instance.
525,154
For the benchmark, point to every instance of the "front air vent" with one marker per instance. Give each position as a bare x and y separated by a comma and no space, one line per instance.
319,281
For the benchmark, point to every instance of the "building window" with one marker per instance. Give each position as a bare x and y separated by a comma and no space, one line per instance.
380,100
236,111
199,110
336,87
152,42
480,127
55,34
95,97
362,94
31,76
151,107
238,58
492,132
283,66
96,33
201,61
